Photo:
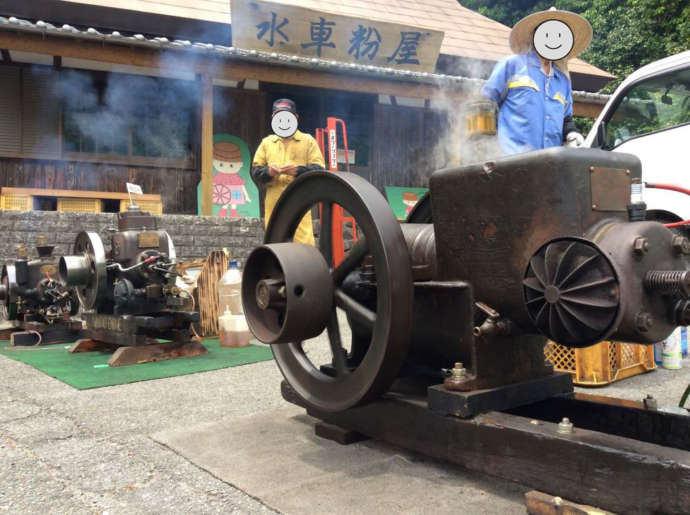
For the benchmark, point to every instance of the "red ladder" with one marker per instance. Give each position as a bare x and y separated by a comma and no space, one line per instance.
329,134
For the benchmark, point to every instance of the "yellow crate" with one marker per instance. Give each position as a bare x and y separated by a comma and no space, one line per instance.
155,207
601,364
16,202
80,205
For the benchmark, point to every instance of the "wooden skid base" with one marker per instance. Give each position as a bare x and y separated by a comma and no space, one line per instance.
338,434
6,334
141,354
539,503
589,467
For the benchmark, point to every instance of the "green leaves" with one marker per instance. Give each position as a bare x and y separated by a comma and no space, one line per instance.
627,33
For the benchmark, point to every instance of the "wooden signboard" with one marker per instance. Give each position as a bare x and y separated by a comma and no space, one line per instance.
294,30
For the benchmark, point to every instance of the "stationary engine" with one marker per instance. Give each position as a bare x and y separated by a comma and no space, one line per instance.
35,297
502,255
32,290
128,293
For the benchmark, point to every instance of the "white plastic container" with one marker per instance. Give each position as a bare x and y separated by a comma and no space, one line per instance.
672,357
233,330
230,290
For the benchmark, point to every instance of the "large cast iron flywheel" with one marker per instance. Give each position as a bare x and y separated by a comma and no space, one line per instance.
278,271
572,292
9,281
90,246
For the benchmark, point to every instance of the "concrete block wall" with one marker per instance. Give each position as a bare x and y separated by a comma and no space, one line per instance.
194,236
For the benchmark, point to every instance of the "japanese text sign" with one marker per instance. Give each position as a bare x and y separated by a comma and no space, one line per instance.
288,29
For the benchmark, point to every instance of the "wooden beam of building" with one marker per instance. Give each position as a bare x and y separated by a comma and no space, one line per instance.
587,110
228,69
207,146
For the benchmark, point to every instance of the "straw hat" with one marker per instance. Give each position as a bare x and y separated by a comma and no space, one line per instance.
522,33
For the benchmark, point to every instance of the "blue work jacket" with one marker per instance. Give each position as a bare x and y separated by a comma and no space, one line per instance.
532,104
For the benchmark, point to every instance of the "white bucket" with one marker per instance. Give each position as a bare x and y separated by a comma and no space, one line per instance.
672,357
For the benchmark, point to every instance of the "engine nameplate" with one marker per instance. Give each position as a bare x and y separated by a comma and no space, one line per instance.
148,240
610,188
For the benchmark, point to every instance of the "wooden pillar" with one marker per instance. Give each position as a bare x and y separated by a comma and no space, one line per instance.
207,145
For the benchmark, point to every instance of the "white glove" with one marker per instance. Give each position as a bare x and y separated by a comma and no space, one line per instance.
574,140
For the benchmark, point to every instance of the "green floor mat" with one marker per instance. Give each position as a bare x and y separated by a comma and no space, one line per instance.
90,369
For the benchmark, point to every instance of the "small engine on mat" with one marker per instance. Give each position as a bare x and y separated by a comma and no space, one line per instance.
128,293
36,298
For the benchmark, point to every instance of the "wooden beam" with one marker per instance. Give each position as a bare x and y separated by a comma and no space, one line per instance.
41,192
6,57
228,69
587,110
207,146
232,69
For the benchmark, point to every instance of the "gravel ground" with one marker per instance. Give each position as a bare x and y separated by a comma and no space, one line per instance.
70,451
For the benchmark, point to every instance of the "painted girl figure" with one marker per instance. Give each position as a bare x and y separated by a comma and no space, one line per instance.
229,188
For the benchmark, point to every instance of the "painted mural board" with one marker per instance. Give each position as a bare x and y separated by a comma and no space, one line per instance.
288,29
234,193
402,199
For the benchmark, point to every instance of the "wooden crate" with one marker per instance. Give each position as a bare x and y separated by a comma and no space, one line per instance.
155,207
601,364
16,202
80,205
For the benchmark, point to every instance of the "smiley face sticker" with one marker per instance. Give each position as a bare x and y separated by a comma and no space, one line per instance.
284,124
553,40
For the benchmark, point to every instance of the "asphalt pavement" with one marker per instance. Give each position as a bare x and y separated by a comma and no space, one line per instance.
68,451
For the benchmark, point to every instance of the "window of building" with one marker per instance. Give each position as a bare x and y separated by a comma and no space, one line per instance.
98,116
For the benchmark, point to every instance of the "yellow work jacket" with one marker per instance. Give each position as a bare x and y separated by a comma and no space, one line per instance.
299,150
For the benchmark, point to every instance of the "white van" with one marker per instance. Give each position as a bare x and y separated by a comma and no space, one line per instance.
649,116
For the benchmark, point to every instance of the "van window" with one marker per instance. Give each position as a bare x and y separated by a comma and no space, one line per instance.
652,105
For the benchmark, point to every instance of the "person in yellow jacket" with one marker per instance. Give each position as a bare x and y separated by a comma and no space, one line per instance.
281,157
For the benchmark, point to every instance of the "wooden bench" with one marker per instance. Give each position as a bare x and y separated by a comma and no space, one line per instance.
23,199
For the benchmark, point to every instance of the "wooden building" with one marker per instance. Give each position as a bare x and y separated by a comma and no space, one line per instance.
93,96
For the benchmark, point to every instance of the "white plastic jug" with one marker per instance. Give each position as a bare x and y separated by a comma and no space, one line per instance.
233,330
230,290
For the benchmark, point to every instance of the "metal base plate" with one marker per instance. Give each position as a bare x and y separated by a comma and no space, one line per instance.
468,404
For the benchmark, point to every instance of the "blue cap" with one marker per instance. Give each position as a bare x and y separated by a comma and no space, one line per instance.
234,263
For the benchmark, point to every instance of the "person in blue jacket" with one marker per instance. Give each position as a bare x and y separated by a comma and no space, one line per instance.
532,88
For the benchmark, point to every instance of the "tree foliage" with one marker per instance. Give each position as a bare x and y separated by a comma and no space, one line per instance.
627,33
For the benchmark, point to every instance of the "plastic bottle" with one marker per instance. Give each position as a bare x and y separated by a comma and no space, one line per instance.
230,290
658,352
671,357
233,330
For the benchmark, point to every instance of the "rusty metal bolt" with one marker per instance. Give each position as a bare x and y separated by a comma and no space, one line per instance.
681,245
458,372
650,402
640,245
644,321
565,426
